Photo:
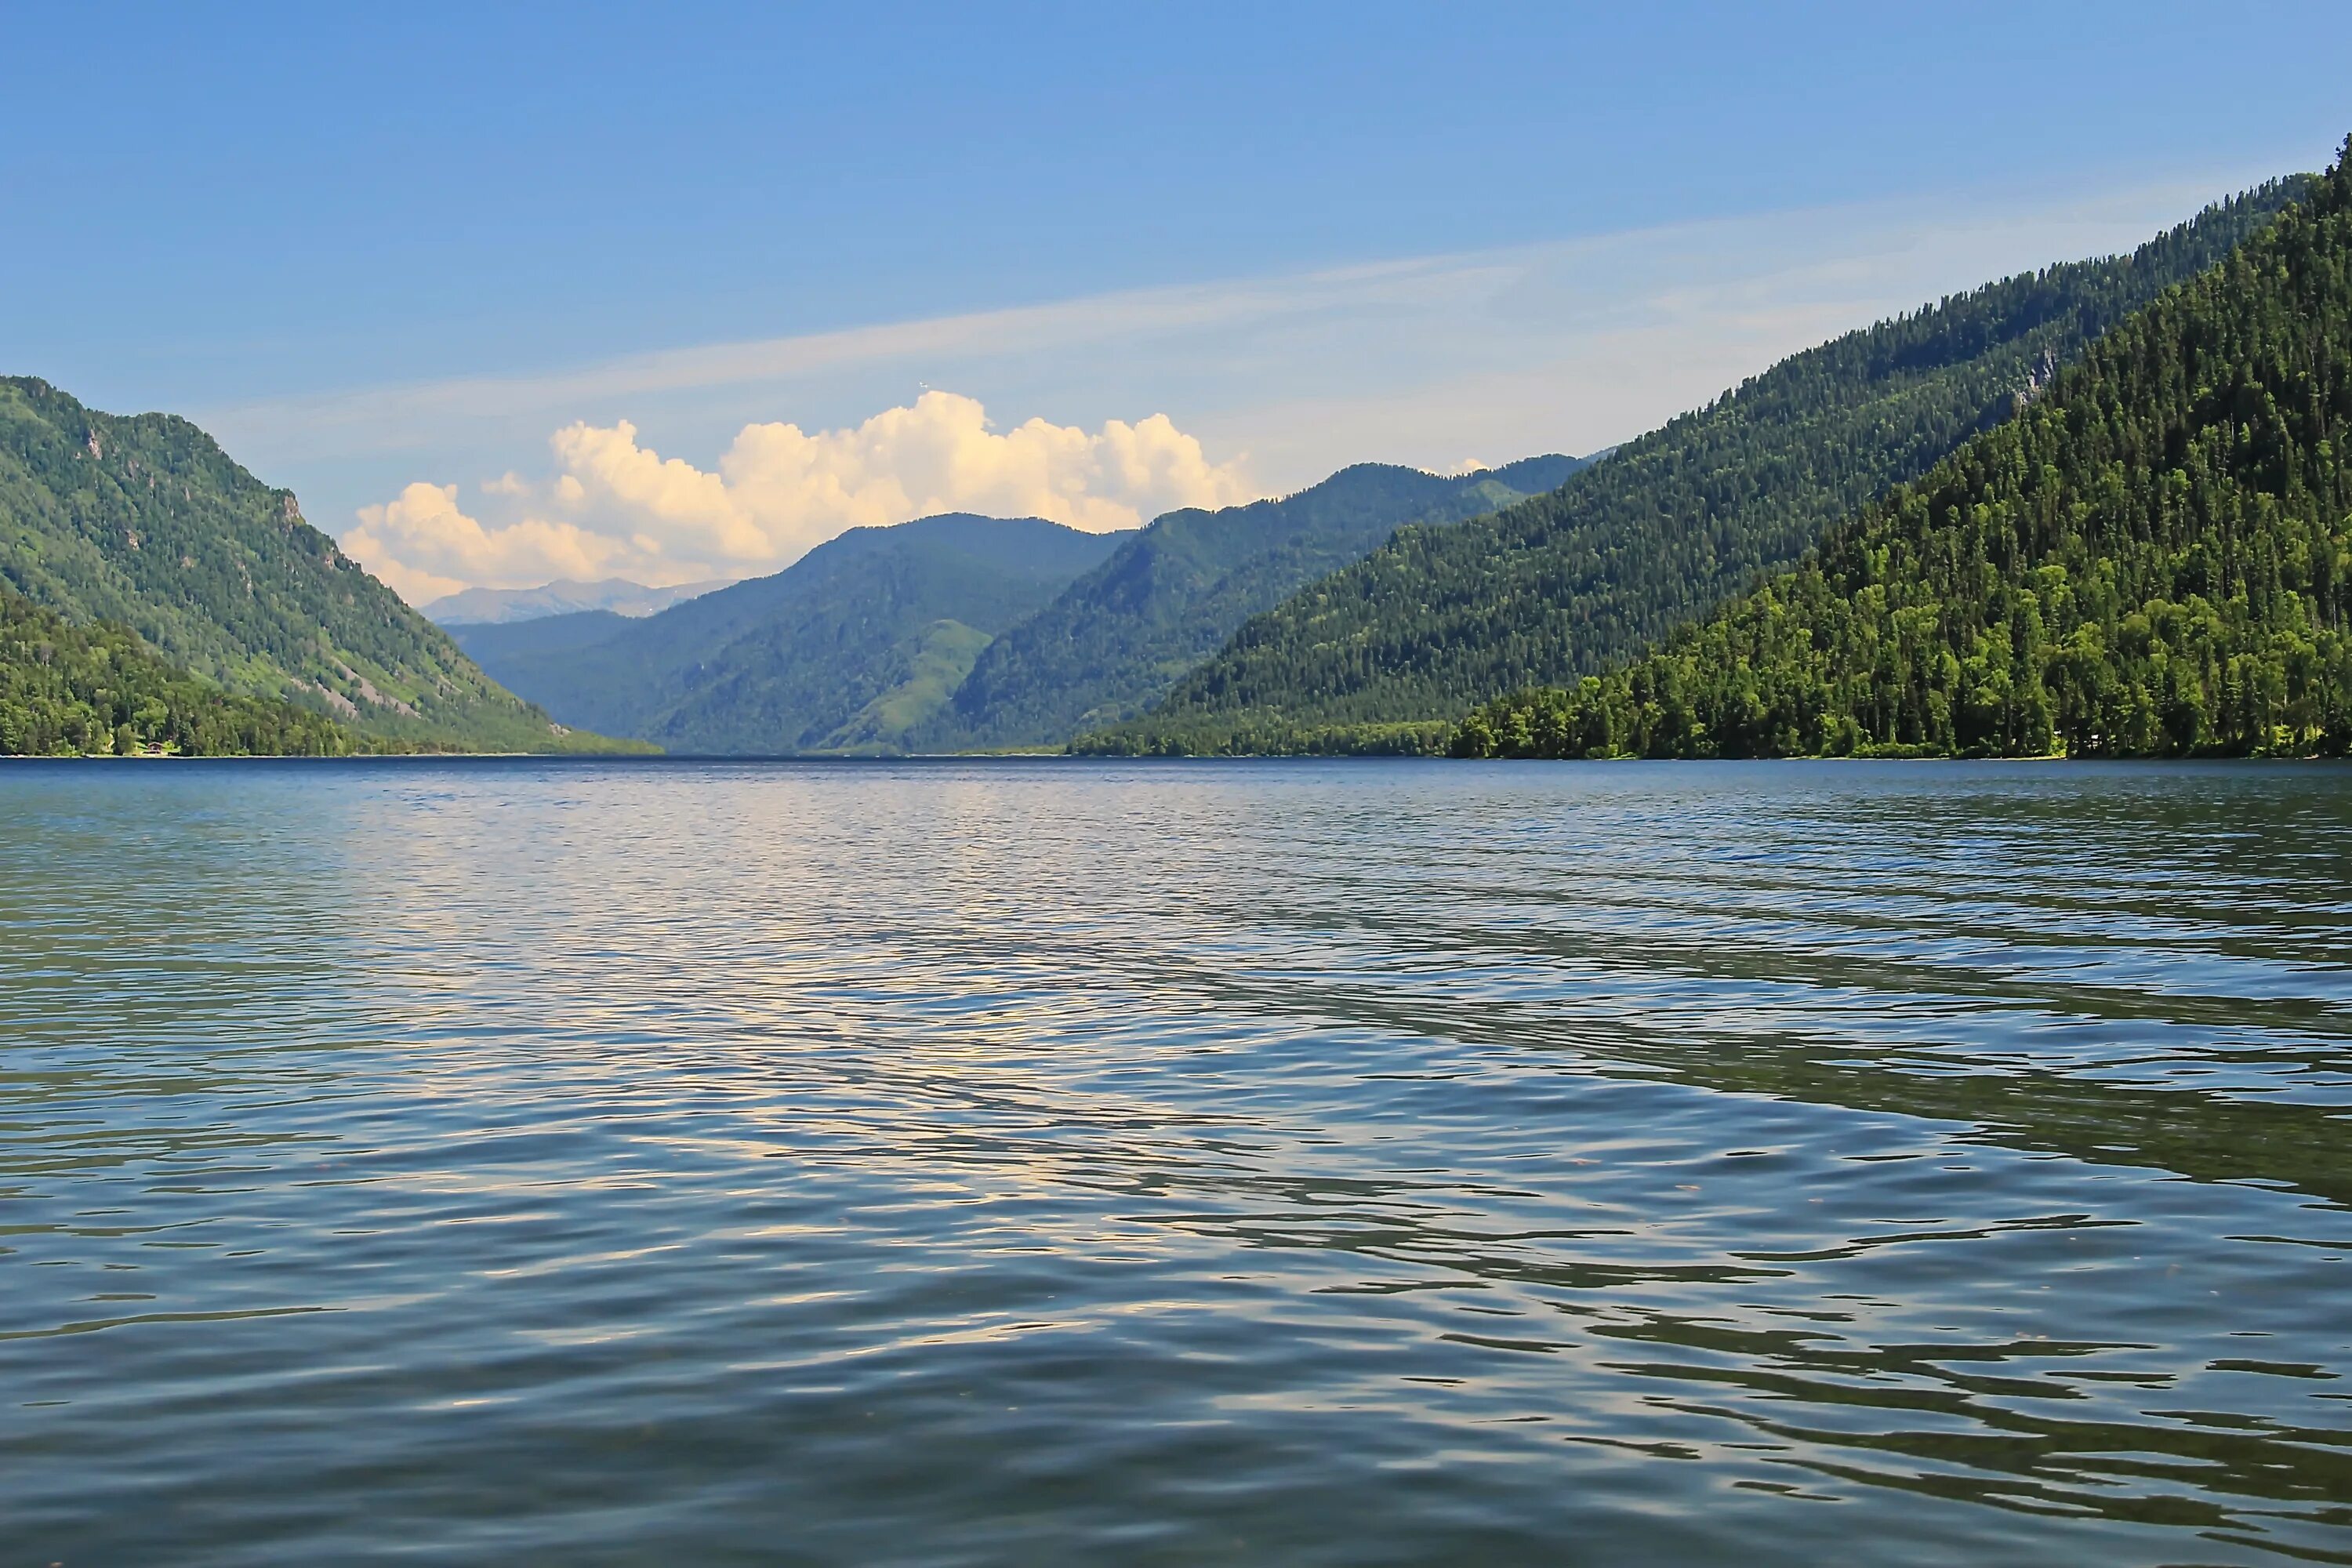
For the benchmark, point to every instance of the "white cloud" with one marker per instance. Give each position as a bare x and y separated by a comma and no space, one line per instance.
616,507
421,545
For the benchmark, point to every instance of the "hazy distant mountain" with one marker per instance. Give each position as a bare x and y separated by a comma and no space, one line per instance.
143,519
1118,637
495,606
966,633
502,643
857,643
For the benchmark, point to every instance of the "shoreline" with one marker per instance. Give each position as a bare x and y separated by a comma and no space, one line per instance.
943,758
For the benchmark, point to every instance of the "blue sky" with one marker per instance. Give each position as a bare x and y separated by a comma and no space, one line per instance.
410,246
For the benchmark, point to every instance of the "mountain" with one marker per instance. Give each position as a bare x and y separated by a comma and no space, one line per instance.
1666,528
1121,634
75,690
143,521
494,606
496,645
851,647
2153,559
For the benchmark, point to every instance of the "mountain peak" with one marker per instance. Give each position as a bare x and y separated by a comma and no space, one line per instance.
495,606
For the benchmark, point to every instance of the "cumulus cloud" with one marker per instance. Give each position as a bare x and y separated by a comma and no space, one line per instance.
616,507
421,545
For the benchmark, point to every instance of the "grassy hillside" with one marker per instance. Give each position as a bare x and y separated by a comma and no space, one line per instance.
1116,639
145,522
845,649
1670,525
921,674
97,690
2154,558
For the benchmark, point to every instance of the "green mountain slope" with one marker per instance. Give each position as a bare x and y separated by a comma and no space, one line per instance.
2155,558
921,675
491,643
145,520
842,650
97,690
1117,639
1671,525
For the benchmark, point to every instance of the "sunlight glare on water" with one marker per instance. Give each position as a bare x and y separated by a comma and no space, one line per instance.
655,1163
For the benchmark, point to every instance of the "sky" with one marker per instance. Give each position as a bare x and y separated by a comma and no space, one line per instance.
512,293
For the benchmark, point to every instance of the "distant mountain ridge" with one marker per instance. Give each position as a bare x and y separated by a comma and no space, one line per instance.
143,521
845,650
564,596
1669,526
496,644
961,632
1119,636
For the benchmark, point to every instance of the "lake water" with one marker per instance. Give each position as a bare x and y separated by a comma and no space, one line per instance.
1041,1163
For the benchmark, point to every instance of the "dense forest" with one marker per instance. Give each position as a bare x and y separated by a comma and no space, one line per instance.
2153,559
97,690
1669,526
1118,637
144,521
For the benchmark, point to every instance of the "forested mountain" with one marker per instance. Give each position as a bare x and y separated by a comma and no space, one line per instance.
495,606
496,644
1668,527
860,640
2154,558
1121,634
97,690
145,522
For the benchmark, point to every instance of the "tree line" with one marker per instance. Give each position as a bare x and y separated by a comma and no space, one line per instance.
99,691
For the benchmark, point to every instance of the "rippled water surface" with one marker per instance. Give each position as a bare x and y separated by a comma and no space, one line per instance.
1043,1162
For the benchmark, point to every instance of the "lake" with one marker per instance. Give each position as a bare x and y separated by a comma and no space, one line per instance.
1304,1162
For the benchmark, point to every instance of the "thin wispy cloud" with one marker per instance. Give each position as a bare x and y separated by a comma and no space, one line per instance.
375,417
1431,360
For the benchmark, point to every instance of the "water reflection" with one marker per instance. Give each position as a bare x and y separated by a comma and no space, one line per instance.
1354,1163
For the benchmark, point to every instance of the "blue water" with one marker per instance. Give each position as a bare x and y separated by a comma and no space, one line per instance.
1042,1162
